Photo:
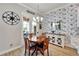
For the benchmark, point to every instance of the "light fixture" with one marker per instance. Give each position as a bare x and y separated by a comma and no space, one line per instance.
38,17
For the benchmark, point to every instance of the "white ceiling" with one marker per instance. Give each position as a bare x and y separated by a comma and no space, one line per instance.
44,7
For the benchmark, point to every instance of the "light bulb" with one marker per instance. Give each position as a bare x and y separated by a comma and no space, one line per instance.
41,18
34,19
37,17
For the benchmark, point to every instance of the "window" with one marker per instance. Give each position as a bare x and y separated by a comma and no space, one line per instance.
34,26
25,27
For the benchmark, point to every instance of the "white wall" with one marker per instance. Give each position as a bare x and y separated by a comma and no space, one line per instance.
10,34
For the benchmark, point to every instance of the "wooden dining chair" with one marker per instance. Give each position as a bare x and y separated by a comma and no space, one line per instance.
31,48
31,44
45,46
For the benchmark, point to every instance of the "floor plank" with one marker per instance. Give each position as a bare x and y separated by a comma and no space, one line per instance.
58,51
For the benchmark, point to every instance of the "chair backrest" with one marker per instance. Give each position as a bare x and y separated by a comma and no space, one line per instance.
45,41
42,37
46,44
30,39
26,40
31,35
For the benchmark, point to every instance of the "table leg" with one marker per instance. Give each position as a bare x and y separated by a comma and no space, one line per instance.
36,51
33,52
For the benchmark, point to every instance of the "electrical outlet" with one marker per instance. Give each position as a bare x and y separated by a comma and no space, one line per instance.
11,45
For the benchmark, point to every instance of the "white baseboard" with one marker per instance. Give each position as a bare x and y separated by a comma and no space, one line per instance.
12,49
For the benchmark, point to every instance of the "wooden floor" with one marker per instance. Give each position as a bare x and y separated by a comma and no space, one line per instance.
53,51
58,51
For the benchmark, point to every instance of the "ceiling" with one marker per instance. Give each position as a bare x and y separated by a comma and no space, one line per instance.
44,7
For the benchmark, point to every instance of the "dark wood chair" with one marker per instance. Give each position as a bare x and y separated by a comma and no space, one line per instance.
28,47
31,48
31,44
45,46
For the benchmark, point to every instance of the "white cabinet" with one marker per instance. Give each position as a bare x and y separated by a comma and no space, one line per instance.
56,39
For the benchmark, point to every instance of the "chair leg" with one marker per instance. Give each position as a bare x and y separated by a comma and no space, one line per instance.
33,52
36,52
29,52
47,52
25,52
42,52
